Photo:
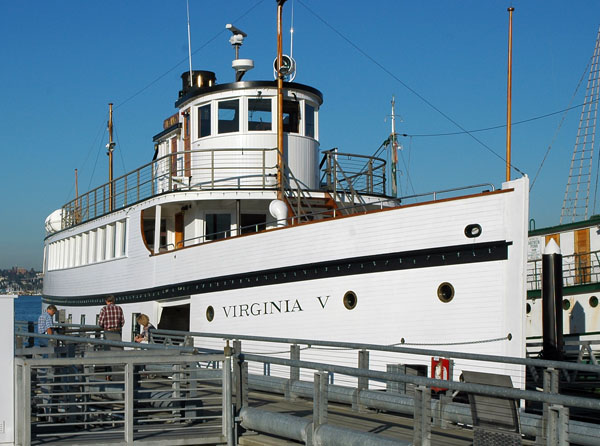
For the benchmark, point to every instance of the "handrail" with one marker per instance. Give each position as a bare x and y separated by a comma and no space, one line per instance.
391,348
169,173
163,175
578,269
435,194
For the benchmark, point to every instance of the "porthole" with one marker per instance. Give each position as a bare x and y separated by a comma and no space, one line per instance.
445,292
566,304
350,300
472,231
593,301
528,308
210,313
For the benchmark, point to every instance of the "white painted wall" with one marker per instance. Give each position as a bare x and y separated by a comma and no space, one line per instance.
7,355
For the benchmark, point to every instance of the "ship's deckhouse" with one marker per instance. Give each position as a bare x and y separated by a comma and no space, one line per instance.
225,136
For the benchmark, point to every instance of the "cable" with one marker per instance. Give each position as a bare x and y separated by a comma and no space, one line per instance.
393,76
95,163
121,149
408,180
185,59
560,124
425,135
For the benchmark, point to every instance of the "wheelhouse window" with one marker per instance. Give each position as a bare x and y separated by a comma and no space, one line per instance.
229,112
259,114
204,121
291,116
218,226
309,121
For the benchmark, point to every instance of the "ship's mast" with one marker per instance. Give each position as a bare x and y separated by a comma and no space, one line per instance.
394,151
110,148
280,75
509,94
577,193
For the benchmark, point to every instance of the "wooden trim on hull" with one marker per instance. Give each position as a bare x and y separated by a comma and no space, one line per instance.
424,258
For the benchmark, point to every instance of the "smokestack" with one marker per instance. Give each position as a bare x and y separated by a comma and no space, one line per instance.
552,295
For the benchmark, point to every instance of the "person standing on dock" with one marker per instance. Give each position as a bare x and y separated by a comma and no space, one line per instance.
46,323
111,320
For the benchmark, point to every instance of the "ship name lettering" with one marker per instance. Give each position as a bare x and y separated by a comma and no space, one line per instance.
321,301
264,308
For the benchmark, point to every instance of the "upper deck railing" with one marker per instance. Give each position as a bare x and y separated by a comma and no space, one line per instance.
578,269
214,169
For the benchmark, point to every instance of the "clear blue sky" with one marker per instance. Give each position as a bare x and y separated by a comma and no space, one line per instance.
63,61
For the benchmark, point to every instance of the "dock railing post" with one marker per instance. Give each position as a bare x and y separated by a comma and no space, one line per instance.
294,371
363,383
227,397
557,427
550,386
422,417
320,400
129,401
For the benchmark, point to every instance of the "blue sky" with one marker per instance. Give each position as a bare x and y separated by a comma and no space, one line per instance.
63,61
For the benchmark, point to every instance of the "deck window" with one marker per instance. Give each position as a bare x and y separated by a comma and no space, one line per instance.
259,114
253,223
309,121
229,112
291,116
217,226
204,121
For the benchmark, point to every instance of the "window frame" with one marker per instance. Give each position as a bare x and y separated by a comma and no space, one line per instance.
259,98
238,113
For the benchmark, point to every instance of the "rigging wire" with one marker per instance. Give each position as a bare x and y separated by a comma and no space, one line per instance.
98,138
562,120
154,81
120,149
96,162
496,127
405,85
408,179
209,41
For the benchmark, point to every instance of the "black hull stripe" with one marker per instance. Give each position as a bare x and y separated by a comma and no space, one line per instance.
425,258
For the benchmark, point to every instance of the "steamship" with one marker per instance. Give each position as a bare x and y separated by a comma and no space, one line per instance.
241,225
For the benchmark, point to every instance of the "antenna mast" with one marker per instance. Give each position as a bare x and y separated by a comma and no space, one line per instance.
189,41
577,193
111,147
394,151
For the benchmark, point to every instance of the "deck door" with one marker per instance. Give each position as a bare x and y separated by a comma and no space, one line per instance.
582,256
174,172
179,230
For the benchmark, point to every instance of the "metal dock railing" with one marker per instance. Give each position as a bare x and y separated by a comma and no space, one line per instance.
176,393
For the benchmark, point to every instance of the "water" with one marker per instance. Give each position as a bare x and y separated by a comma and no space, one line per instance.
28,308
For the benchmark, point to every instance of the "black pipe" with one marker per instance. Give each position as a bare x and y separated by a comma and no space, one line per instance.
552,295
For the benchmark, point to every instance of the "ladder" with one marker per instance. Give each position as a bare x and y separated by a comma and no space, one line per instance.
577,194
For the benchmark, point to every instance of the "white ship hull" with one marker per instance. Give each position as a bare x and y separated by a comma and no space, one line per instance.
290,282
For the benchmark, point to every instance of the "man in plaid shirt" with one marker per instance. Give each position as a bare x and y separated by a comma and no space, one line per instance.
111,319
45,324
